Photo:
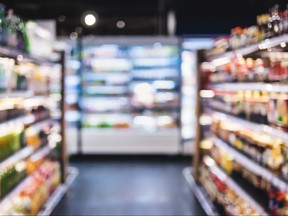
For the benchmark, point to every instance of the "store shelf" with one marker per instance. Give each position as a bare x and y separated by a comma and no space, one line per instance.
130,141
266,44
105,73
100,112
274,132
18,156
199,193
156,108
39,125
41,153
281,88
17,94
13,53
251,165
59,193
23,120
53,200
16,191
231,184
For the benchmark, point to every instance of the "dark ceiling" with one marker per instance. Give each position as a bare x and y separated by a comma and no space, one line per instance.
146,17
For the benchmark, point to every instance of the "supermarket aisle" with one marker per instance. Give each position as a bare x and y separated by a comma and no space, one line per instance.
147,186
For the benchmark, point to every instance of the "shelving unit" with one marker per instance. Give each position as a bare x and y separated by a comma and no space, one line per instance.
34,145
112,119
236,124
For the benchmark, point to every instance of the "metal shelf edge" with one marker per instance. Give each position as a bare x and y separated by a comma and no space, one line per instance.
203,199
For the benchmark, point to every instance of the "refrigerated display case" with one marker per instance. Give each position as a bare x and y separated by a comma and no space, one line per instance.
130,97
189,69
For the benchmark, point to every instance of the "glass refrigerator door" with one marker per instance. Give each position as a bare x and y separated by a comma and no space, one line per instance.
189,88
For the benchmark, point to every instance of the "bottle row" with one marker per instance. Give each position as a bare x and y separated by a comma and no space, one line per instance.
268,25
223,195
275,198
251,70
35,190
11,110
13,32
145,121
256,106
17,138
23,76
265,150
114,51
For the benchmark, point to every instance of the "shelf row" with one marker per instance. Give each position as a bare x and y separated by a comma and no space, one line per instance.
274,132
249,164
209,162
275,88
266,44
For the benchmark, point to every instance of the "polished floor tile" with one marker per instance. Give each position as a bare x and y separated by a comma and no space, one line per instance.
130,186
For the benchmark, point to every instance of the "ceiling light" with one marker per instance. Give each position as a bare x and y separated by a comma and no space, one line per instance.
89,18
120,24
73,35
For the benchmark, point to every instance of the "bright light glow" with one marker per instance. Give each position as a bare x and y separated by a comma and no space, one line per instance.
283,44
209,162
221,61
19,58
205,120
161,84
206,144
207,94
90,20
157,45
120,24
164,120
269,87
20,166
73,35
31,25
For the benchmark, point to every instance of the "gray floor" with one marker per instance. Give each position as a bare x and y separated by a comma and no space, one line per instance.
134,186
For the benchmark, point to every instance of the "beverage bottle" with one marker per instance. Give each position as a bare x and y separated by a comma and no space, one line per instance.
22,37
276,21
11,29
270,31
3,26
285,20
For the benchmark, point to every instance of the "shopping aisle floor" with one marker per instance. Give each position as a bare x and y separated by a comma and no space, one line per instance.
133,186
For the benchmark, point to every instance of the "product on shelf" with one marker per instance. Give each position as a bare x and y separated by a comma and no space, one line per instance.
34,192
10,141
262,148
276,198
256,106
269,25
245,77
13,30
221,193
239,69
107,120
10,177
